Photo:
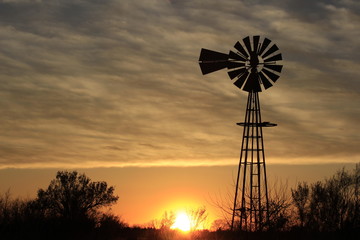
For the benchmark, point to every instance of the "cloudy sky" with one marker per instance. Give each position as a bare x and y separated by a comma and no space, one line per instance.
117,83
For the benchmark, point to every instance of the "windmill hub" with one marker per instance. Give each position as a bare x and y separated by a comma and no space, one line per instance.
254,60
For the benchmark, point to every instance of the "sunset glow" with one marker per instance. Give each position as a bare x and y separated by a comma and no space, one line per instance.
182,222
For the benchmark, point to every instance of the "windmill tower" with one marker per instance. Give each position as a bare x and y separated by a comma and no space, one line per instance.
254,68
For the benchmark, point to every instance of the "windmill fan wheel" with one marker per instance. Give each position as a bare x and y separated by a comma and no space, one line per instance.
253,65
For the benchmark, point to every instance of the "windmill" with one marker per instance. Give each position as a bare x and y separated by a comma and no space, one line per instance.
253,67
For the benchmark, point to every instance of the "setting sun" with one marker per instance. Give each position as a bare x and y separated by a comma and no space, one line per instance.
182,222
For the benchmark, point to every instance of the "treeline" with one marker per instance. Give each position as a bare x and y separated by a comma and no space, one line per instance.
328,209
332,205
71,208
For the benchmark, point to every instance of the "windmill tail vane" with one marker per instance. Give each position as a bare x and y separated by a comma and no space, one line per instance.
253,67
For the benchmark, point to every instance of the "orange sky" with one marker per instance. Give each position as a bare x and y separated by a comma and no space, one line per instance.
146,193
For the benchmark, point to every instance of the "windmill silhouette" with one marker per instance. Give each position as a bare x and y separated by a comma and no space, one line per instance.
254,68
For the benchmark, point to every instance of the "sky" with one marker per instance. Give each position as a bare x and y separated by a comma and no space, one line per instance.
116,84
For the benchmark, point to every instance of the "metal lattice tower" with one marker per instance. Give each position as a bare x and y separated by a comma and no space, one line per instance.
254,69
252,205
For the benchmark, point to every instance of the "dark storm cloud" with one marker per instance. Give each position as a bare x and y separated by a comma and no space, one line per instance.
105,83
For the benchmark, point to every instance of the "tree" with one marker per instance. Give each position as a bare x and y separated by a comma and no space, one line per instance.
331,205
279,202
167,220
197,217
300,197
164,223
219,224
279,207
12,211
74,196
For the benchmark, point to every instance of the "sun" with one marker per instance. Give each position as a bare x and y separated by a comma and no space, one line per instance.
182,222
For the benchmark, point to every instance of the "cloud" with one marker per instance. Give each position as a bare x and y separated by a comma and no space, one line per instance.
117,83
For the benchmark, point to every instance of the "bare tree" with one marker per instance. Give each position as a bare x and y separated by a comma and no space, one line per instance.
279,208
300,197
197,217
11,210
164,223
167,220
219,224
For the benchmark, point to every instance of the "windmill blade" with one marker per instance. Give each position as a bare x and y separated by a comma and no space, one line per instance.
276,68
207,55
232,65
252,84
270,75
241,49
241,79
264,45
265,81
276,57
233,55
256,43
209,67
270,51
233,74
247,44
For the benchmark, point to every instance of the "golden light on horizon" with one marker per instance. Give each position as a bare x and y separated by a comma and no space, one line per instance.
182,222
